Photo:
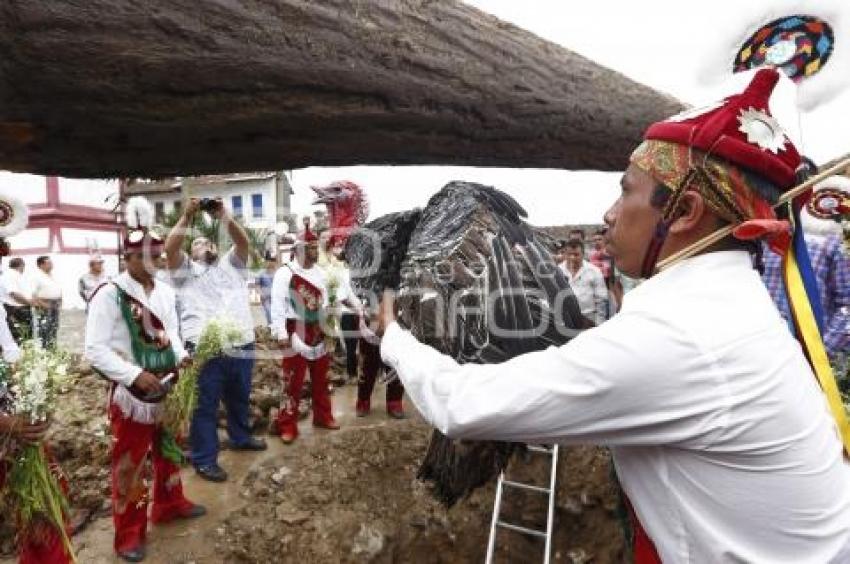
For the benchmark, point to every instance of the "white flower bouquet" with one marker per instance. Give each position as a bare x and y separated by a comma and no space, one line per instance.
33,385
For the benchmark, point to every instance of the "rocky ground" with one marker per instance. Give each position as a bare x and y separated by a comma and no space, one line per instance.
346,496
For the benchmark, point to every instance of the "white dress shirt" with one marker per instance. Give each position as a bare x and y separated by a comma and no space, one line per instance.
718,430
588,285
15,283
108,346
281,307
45,286
208,291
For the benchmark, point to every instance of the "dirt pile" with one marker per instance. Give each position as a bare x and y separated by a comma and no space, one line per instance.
353,497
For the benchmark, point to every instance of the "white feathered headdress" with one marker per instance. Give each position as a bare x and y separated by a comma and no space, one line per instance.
139,213
808,39
13,215
822,216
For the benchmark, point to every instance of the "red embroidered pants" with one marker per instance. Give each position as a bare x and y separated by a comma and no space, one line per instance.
133,442
371,367
294,370
40,545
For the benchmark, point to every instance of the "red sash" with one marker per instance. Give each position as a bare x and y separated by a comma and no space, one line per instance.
307,301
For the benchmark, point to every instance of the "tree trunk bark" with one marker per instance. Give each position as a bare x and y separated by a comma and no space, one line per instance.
106,88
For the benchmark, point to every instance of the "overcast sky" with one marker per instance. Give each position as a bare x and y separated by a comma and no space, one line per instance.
661,43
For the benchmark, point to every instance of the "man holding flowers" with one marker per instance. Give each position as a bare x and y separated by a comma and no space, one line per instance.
132,339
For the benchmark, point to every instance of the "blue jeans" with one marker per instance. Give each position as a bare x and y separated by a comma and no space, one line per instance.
228,379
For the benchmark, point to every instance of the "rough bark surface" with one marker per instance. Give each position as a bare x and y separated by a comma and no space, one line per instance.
125,88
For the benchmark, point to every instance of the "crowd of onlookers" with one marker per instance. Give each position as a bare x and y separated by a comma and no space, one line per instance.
595,281
31,301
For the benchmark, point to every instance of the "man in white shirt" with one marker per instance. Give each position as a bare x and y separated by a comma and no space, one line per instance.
132,339
300,307
208,287
18,301
48,294
718,429
92,280
586,281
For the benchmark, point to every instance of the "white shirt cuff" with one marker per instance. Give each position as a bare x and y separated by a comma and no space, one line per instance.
391,342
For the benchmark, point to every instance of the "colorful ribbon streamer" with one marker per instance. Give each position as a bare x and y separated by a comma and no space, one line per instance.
806,311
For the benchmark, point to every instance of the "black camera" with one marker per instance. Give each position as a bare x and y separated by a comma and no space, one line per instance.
209,205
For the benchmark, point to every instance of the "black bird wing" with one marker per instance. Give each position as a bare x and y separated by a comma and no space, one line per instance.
478,284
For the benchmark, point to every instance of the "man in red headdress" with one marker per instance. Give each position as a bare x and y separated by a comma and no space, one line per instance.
719,432
300,298
132,339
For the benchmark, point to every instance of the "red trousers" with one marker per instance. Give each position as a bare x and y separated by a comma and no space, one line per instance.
133,442
372,365
294,370
40,546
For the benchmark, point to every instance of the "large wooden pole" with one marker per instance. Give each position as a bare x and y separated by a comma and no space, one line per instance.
175,87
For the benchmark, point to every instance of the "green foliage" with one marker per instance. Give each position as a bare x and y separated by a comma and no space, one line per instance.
218,335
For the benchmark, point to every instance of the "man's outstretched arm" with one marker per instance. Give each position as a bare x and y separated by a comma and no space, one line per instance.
174,241
591,390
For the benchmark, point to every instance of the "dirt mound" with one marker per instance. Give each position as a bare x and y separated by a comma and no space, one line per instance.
349,496
352,497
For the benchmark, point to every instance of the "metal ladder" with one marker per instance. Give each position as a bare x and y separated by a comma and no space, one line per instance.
497,522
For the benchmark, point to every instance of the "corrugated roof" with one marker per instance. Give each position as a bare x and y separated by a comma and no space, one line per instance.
168,185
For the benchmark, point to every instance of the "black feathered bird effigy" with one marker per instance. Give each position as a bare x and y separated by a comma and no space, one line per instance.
475,282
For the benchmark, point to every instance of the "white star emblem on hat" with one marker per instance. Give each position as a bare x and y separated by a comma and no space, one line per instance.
762,130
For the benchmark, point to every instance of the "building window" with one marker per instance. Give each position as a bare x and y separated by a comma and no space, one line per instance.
236,204
257,206
178,207
159,211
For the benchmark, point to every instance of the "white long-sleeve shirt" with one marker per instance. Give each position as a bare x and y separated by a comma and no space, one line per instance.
719,432
282,308
205,291
15,283
588,285
108,346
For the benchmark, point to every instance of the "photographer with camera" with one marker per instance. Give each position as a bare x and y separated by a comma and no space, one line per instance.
210,286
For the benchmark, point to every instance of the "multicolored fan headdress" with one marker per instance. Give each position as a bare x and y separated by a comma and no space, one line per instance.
808,40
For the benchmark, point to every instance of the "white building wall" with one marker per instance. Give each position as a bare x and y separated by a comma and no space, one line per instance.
67,268
226,191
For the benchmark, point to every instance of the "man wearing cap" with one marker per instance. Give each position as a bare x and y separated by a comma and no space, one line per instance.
132,339
92,280
300,300
209,287
720,435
